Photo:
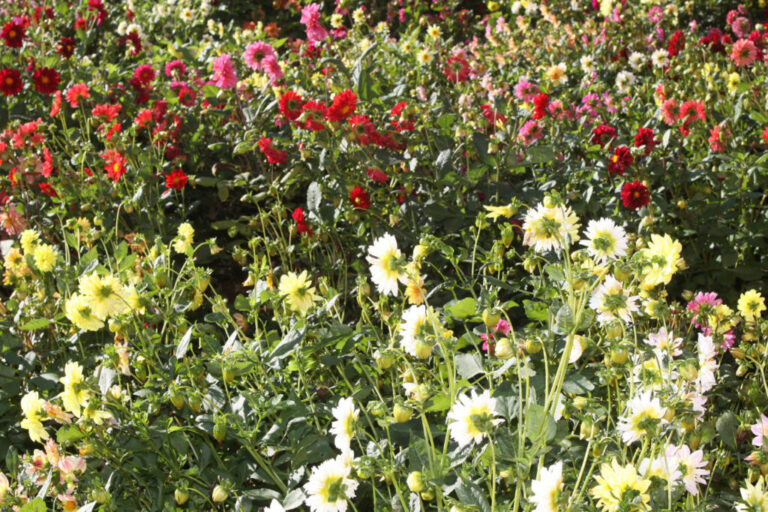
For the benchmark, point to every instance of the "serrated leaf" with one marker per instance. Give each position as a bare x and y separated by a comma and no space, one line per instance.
470,494
536,310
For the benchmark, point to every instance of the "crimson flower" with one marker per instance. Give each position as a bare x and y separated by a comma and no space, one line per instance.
621,159
114,164
10,82
13,34
644,138
291,105
46,80
66,47
274,156
176,179
343,106
359,198
635,195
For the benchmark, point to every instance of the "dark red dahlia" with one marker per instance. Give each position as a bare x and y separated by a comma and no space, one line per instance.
13,34
10,82
46,80
603,134
635,195
621,159
66,47
644,138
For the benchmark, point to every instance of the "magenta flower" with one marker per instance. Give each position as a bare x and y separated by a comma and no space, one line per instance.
224,76
310,18
255,54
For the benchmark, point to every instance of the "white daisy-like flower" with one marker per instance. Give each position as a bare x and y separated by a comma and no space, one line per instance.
624,80
345,415
546,490
605,240
643,411
330,486
387,266
664,466
636,60
548,229
691,466
415,327
587,64
660,58
664,342
611,301
472,417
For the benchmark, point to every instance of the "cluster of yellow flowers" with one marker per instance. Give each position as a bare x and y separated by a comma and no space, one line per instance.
185,237
99,298
75,398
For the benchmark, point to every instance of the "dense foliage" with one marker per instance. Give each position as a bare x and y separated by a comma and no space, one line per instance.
396,256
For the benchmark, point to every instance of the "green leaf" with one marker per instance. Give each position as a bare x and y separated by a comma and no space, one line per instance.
471,494
539,423
181,350
69,433
536,310
727,425
37,323
469,365
462,309
36,505
290,343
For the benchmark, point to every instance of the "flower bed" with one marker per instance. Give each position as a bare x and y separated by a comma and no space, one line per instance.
402,256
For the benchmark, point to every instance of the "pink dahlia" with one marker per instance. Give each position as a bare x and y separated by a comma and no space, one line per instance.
224,75
255,54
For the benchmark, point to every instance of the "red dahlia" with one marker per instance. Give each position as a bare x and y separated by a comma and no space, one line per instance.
10,82
177,179
291,105
66,47
114,164
13,33
343,106
359,198
456,69
274,156
635,195
602,134
187,96
46,80
621,159
644,138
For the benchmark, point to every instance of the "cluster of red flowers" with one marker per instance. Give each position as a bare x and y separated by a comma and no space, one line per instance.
274,156
313,115
301,222
603,134
46,81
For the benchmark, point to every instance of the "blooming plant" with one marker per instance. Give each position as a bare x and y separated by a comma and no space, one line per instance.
460,256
